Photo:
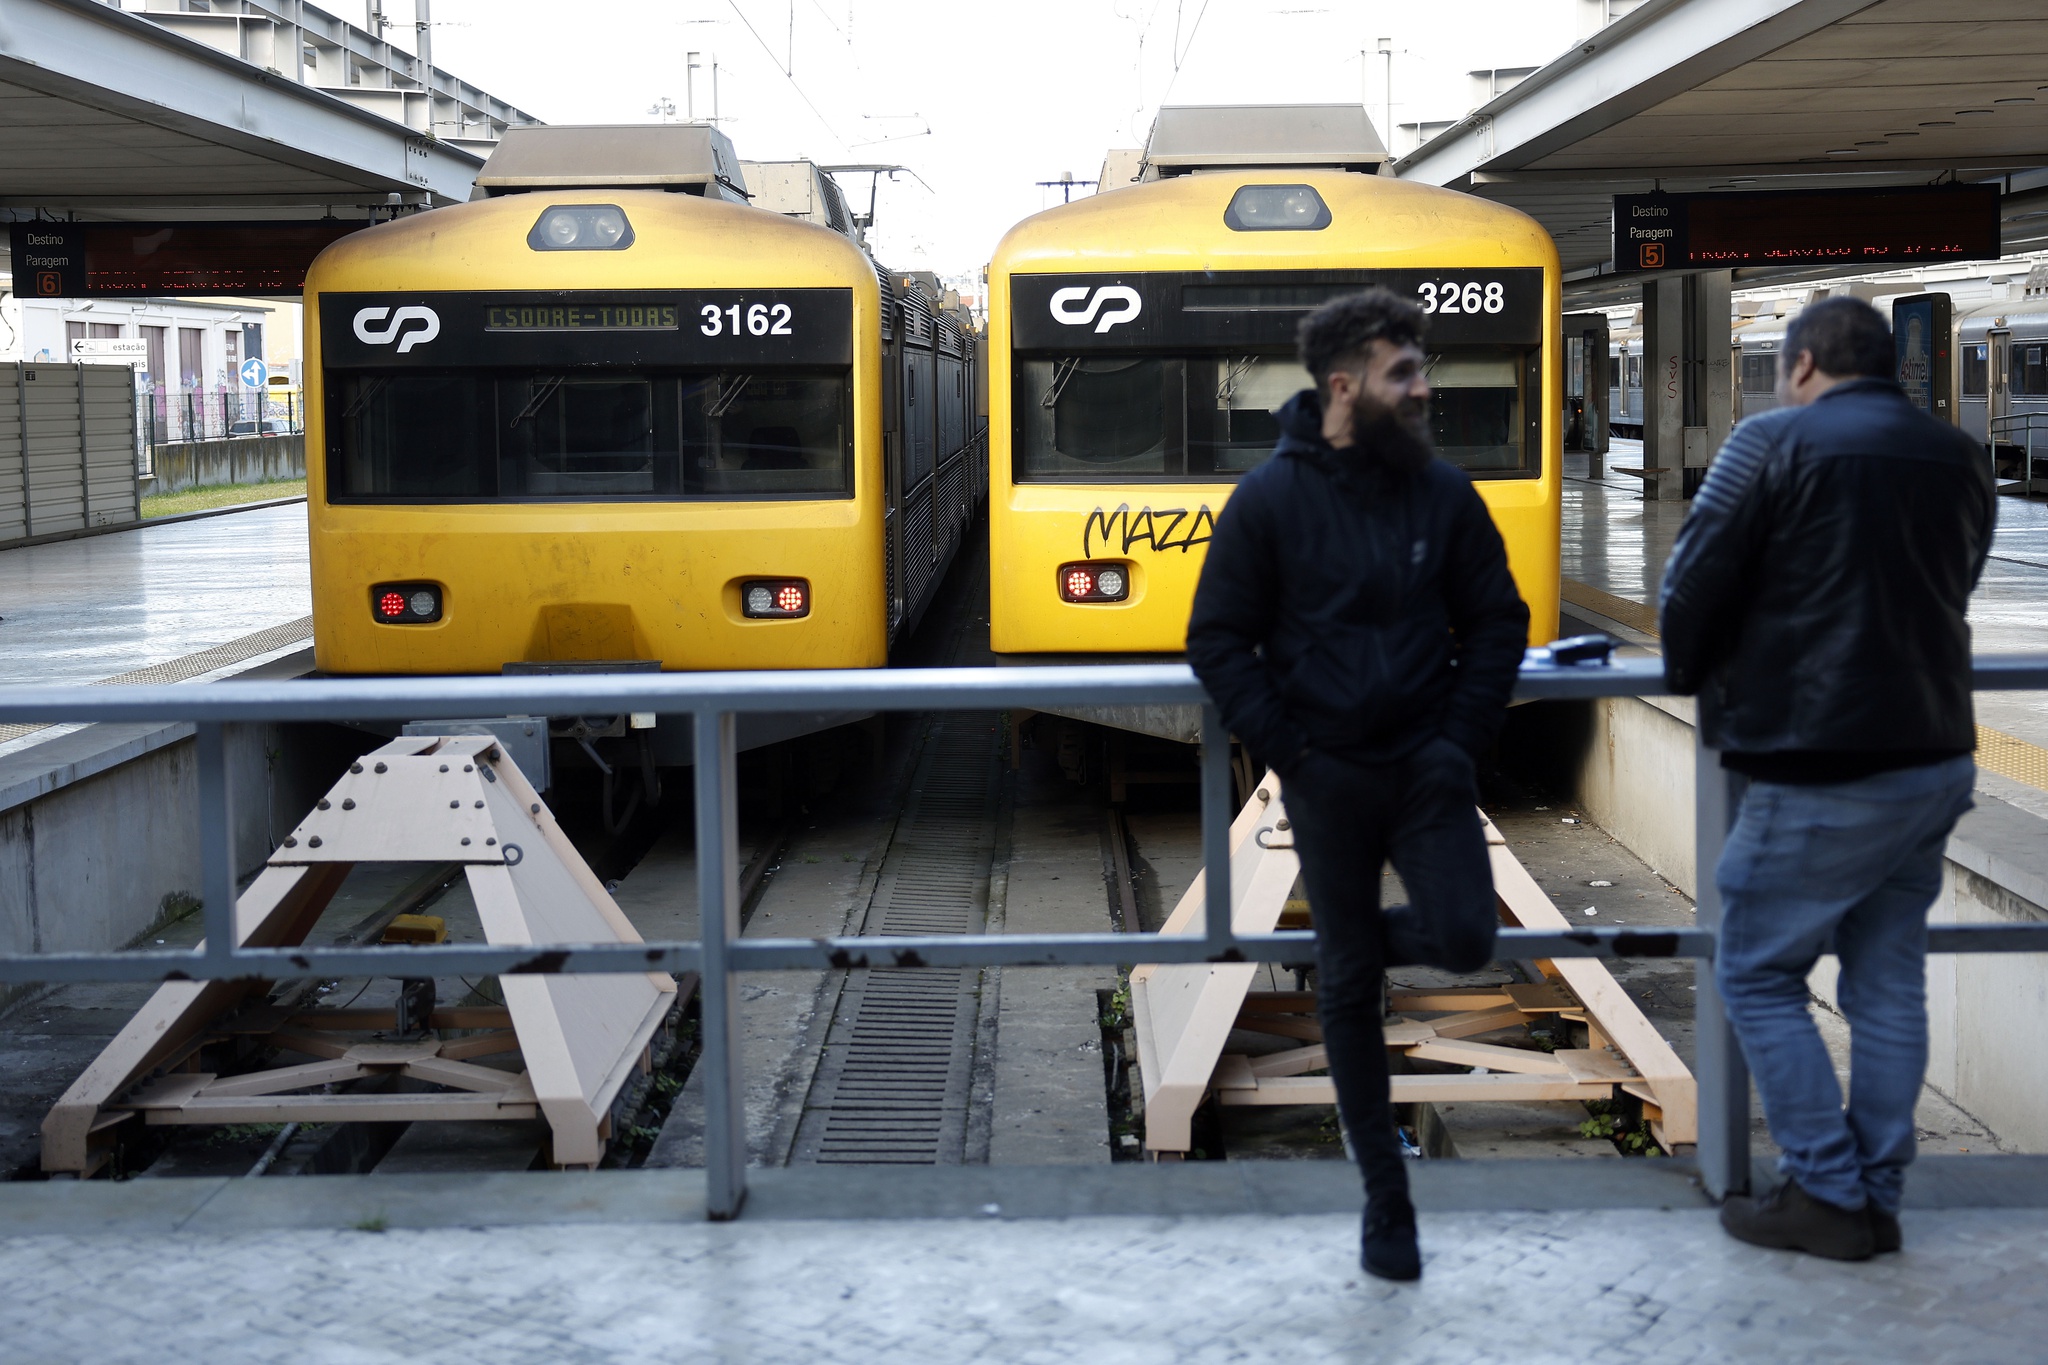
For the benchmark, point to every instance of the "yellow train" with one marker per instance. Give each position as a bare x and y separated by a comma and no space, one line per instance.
1140,339
613,415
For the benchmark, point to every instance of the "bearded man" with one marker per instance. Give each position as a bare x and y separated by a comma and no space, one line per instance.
1357,626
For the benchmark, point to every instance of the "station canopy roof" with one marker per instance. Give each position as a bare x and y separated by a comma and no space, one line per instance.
108,115
1703,95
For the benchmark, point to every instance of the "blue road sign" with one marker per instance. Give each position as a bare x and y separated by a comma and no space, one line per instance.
255,373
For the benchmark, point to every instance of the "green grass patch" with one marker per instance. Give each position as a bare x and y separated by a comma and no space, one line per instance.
221,495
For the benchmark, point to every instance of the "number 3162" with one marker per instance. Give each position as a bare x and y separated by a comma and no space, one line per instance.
1453,297
762,320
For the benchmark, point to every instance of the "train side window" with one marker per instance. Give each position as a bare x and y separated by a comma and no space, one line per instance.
1475,411
1238,428
1759,373
1614,372
410,437
766,435
1107,418
586,437
1976,367
2029,375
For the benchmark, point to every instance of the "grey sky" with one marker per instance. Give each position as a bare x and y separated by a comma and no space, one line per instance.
980,98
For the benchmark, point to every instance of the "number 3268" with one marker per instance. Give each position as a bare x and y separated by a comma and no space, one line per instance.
1471,297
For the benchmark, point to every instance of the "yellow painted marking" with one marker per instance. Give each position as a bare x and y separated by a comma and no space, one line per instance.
1997,752
1634,615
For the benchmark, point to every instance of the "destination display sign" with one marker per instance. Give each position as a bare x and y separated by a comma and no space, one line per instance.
1234,310
672,328
1908,225
149,260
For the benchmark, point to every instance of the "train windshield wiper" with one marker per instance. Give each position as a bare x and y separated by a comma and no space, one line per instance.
1062,371
722,399
541,393
363,396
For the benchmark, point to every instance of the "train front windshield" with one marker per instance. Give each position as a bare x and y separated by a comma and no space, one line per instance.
1212,417
571,396
560,436
1169,376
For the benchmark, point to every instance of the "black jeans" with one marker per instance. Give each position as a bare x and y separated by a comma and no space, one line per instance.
1349,820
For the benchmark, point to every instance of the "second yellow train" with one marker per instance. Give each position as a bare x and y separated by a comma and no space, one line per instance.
1141,339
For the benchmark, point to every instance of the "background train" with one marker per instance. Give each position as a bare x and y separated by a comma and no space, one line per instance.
2000,375
1141,339
614,417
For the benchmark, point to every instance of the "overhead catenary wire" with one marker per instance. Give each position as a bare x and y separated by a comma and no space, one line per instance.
785,73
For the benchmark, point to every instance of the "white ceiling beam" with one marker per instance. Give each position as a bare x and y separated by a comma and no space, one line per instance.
1661,50
94,56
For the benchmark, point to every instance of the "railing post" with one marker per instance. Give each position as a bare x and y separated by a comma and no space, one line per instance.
1723,1074
718,906
216,841
1216,817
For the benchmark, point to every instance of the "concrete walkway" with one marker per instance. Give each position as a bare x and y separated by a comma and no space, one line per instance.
83,610
616,1267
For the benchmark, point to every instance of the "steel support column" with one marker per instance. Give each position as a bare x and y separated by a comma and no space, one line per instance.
216,840
1217,810
1717,1059
718,909
1664,388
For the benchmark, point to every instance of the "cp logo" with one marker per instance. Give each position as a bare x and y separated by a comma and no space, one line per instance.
371,333
1063,301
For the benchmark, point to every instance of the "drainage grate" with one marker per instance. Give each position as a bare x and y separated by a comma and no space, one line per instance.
892,1087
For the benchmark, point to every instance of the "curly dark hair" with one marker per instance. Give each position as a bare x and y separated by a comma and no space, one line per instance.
1344,329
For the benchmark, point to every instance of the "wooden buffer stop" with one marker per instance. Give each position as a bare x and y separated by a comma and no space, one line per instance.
1184,1014
435,800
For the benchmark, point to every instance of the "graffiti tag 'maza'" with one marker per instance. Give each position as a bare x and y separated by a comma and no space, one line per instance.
1161,528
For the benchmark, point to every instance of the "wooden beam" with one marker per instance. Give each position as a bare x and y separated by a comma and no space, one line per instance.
1612,1015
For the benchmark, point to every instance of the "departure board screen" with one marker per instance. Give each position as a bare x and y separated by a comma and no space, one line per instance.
1911,225
144,260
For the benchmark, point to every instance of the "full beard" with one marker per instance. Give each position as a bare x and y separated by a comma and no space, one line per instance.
1394,438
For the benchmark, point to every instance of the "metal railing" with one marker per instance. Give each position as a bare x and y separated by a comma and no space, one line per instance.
176,415
2018,431
713,700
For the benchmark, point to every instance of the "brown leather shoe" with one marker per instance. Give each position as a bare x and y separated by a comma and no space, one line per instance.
1885,1235
1793,1220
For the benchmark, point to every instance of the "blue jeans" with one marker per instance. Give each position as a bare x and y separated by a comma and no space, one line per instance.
1849,868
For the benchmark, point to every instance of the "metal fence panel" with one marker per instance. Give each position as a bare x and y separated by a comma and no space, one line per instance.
712,701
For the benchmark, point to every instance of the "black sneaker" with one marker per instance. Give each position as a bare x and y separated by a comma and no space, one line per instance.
1884,1230
1793,1220
1389,1247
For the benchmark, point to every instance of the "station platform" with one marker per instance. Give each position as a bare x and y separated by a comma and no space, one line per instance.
1243,1262
188,601
1615,545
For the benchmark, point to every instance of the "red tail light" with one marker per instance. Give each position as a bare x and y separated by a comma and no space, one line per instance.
1095,582
775,599
406,604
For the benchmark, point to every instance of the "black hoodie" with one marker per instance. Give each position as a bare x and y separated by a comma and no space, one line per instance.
1354,609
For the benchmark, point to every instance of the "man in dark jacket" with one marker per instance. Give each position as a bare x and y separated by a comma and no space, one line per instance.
1357,626
1816,601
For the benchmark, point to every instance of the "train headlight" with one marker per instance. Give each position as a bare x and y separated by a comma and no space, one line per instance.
775,599
1085,582
1276,208
405,604
581,227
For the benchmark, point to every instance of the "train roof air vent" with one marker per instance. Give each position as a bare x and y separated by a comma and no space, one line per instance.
690,158
1187,138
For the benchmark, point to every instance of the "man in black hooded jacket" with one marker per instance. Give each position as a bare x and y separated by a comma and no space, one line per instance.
1357,625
